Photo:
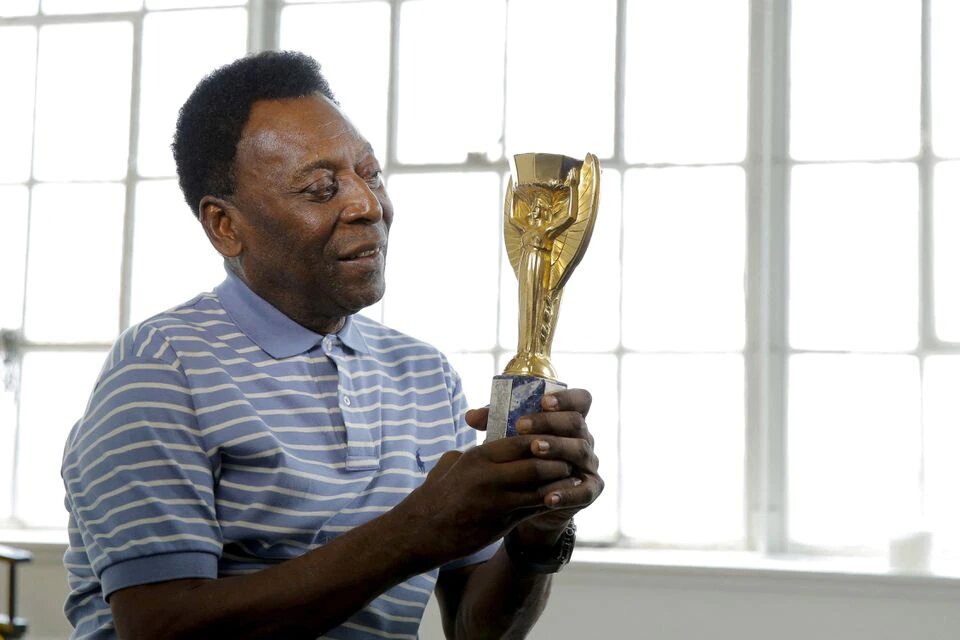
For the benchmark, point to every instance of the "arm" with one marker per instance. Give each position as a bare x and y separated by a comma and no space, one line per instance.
467,501
499,598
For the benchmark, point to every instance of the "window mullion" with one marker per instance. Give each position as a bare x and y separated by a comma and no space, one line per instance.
929,341
927,163
263,25
767,317
126,264
619,160
393,87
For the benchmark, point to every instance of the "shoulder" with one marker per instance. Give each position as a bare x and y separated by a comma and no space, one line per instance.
161,336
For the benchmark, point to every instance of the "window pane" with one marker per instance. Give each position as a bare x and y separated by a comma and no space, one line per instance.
80,138
682,449
442,262
90,6
598,375
8,439
560,77
941,439
683,259
854,72
172,259
186,4
163,92
590,309
686,81
946,258
854,448
68,379
853,257
944,71
476,372
354,53
18,63
9,8
13,230
73,270
451,104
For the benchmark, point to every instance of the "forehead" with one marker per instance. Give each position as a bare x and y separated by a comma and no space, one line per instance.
288,133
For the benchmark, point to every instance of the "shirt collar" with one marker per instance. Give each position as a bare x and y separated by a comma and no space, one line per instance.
273,331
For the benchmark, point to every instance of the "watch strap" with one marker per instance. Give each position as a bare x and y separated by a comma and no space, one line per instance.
543,559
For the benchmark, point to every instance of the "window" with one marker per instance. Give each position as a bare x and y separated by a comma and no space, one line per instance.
768,313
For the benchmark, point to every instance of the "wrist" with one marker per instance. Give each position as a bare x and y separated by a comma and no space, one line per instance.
536,555
528,535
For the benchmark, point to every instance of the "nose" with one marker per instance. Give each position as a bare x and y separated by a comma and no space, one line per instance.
361,203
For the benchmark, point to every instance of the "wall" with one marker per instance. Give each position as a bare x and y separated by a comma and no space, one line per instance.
601,601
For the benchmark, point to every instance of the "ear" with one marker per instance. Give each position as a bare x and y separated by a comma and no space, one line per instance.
219,220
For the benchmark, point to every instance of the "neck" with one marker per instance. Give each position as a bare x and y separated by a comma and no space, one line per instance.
293,307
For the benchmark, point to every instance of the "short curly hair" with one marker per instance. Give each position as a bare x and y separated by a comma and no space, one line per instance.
213,117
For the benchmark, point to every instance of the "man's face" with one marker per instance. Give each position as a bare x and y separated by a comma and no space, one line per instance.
313,215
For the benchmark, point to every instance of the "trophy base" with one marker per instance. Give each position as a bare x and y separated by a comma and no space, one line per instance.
511,398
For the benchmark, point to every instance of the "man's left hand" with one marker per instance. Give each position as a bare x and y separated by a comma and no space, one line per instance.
559,432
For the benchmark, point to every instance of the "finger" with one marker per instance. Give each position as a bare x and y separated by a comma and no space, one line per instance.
572,495
554,490
505,449
567,424
477,418
530,473
578,400
576,451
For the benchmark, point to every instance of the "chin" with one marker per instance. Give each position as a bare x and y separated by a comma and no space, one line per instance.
362,300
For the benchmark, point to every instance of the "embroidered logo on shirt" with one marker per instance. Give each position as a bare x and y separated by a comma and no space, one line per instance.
420,465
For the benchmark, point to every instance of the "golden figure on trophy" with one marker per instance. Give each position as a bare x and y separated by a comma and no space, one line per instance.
548,218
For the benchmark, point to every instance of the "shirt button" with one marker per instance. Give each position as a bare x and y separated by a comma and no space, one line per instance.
346,400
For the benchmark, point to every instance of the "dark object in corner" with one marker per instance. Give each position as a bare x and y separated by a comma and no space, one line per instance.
10,625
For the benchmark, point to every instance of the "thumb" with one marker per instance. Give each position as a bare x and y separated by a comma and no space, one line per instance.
477,418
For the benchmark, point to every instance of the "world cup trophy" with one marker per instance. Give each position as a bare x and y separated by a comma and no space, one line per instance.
548,218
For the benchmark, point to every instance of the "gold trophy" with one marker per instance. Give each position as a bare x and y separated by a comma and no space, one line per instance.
547,222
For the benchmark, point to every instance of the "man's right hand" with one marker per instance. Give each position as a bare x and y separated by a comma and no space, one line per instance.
469,500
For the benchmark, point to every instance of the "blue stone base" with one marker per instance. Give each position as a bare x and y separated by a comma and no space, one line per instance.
511,398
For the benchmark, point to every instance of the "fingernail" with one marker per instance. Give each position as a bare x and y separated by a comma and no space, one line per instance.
554,499
577,482
543,446
549,402
524,424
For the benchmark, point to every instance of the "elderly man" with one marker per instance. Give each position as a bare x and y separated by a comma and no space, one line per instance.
261,462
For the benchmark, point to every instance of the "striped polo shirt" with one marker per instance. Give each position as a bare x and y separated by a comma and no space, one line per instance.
222,438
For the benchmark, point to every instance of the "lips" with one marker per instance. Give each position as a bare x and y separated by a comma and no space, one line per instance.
369,250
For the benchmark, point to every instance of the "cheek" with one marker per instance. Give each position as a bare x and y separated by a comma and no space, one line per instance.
387,207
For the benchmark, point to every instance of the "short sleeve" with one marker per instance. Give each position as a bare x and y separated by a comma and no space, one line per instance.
139,483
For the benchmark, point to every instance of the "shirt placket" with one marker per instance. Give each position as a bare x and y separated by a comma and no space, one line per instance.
362,433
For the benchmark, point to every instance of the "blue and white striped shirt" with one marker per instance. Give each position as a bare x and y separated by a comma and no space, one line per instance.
222,438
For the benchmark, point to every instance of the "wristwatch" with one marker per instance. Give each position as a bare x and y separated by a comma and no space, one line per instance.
543,559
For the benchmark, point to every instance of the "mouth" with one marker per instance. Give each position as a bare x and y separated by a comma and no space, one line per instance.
363,253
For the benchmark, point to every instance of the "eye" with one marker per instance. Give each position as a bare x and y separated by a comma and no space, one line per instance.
321,190
375,178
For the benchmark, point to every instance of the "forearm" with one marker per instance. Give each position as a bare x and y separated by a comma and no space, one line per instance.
502,599
303,597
